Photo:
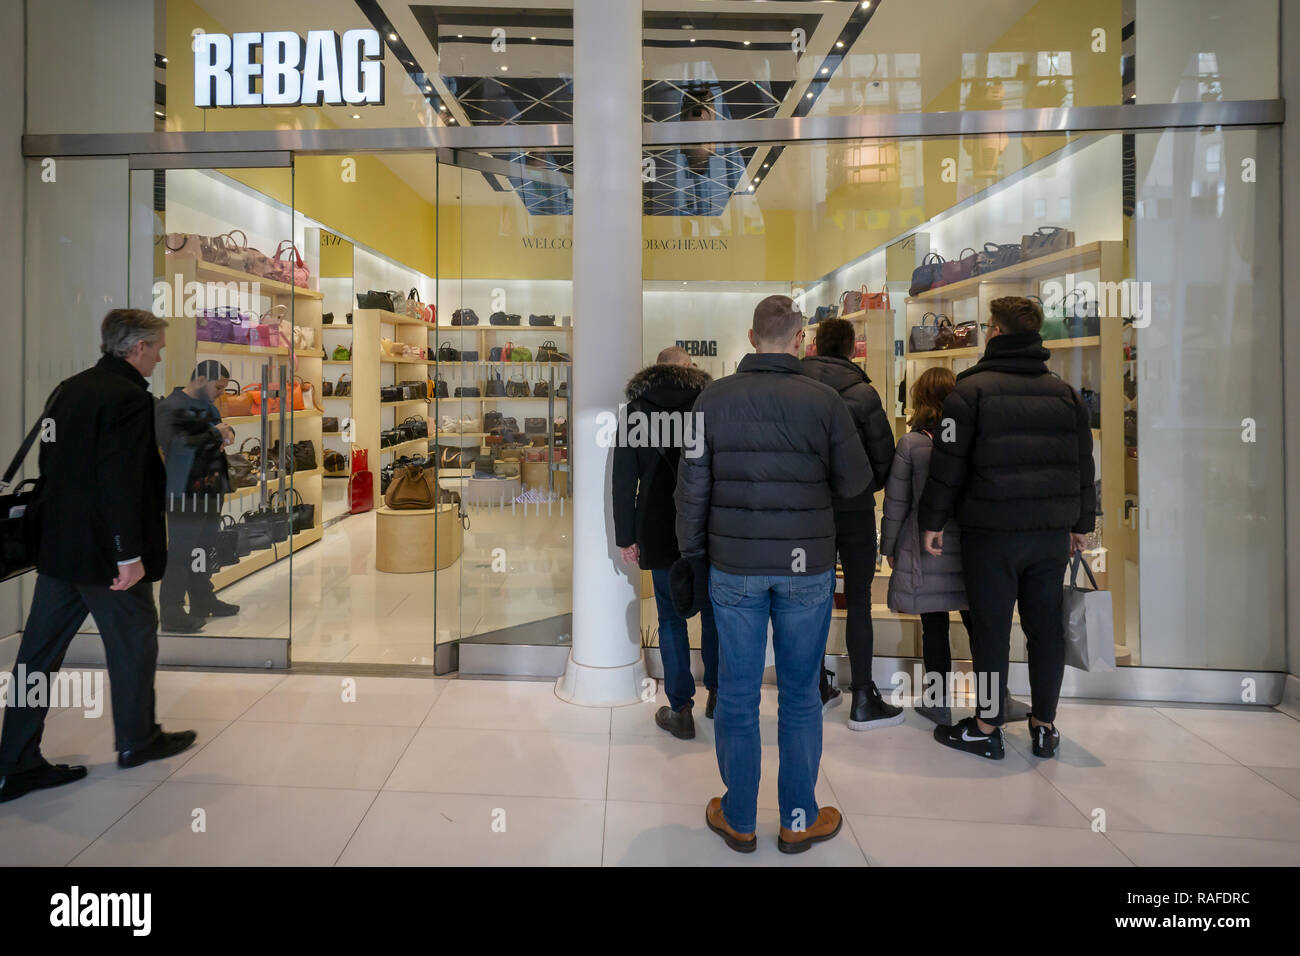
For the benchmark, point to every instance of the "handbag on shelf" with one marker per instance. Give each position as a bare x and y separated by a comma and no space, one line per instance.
541,390
1081,314
291,270
341,353
464,317
254,392
243,473
824,312
302,515
240,255
562,391
963,267
517,388
548,351
505,468
336,463
447,353
492,420
343,387
417,309
375,300
519,353
232,540
966,335
449,457
390,393
534,426
467,391
996,255
438,388
233,403
412,489
327,389
494,354
851,300
415,390
931,337
495,387
541,319
1045,240
926,274
304,337
256,530
501,318
301,455
220,326
469,355
329,425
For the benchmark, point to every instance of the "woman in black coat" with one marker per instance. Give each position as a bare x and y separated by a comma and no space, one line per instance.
645,475
855,518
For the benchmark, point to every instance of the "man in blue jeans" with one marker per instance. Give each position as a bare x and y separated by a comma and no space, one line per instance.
756,505
657,430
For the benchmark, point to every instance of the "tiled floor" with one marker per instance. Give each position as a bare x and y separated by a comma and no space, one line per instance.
313,770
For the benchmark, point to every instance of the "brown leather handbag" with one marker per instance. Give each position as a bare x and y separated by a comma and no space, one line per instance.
412,489
965,335
233,402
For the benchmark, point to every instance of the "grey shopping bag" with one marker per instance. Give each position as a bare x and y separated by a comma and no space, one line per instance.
1089,626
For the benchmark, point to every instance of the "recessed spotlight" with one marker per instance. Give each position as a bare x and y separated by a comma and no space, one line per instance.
751,187
692,39
866,4
504,67
532,38
826,69
159,115
393,37
746,43
839,44
442,106
460,36
356,116
164,59
765,165
810,96
757,181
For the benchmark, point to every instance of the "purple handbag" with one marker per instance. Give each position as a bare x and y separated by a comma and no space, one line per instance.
218,325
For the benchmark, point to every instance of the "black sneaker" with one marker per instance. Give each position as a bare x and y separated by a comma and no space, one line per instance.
679,723
712,703
163,746
181,624
939,715
830,694
49,775
215,608
966,735
871,712
1044,739
1014,710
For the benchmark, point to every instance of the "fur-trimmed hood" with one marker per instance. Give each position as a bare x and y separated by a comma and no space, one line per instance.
667,386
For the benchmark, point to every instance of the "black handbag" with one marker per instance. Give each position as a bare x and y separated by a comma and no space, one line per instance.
329,426
517,388
464,317
996,255
1045,240
483,465
265,528
326,389
19,507
495,387
491,420
926,274
419,425
541,319
824,312
390,393
439,388
301,457
467,391
450,458
414,390
534,426
541,390
375,300
1081,318
302,516
243,473
447,353
548,351
469,355
232,541
343,387
501,318
562,391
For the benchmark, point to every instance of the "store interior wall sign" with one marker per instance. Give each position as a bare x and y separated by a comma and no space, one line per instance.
325,69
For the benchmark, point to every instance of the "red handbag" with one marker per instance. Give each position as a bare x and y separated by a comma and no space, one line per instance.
361,492
292,270
360,460
860,348
876,300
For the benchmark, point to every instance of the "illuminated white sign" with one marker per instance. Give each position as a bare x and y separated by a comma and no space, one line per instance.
323,70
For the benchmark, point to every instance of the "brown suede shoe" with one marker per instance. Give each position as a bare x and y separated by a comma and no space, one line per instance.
826,825
740,842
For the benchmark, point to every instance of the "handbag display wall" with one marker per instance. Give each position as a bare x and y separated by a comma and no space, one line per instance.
928,337
925,275
464,317
1045,240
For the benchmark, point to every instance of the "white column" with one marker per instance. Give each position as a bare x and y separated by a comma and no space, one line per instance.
605,665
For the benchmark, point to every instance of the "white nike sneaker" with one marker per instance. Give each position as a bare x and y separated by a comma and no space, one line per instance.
966,735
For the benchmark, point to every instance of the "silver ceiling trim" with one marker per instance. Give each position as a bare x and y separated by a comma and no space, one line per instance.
490,164
1076,119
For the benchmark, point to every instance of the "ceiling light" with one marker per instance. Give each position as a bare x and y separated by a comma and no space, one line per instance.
460,35
826,69
765,165
504,67
532,38
164,59
866,4
757,181
159,115
442,106
746,43
839,43
810,96
692,39
356,116
393,37
751,187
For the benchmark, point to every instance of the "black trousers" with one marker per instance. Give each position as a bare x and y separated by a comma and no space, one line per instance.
1001,571
128,625
187,531
936,650
855,539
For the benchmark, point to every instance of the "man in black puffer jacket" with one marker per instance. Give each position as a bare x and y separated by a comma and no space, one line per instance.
855,518
1013,461
778,446
645,475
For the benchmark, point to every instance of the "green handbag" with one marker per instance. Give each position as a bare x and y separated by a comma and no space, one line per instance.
1053,322
341,354
521,354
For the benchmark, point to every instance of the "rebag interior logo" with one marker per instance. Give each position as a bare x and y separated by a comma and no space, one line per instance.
323,70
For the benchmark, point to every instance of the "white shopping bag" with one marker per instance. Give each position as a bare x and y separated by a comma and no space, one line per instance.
1089,624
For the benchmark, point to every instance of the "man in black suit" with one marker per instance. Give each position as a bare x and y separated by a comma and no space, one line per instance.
101,541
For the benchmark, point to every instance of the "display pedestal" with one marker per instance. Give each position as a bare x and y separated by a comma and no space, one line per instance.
407,542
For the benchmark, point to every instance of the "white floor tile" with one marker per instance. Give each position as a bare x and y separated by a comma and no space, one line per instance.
319,699
450,760
661,834
909,841
1178,849
50,827
1288,778
74,739
1092,734
944,784
244,826
1256,737
1208,799
300,755
201,694
441,829
514,705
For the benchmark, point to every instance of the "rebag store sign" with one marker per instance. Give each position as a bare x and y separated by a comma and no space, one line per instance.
324,70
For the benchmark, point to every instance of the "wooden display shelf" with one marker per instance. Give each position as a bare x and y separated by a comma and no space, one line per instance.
405,401
508,398
402,446
337,362
970,352
397,318
260,559
1074,259
274,484
229,348
460,434
273,416
390,360
482,362
1087,342
553,329
271,287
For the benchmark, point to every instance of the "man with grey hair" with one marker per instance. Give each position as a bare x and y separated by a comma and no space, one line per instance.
100,543
754,511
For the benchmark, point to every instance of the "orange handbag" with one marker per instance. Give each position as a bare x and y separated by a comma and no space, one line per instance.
298,386
232,403
254,392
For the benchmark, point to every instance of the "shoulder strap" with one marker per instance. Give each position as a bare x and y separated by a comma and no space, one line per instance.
26,446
